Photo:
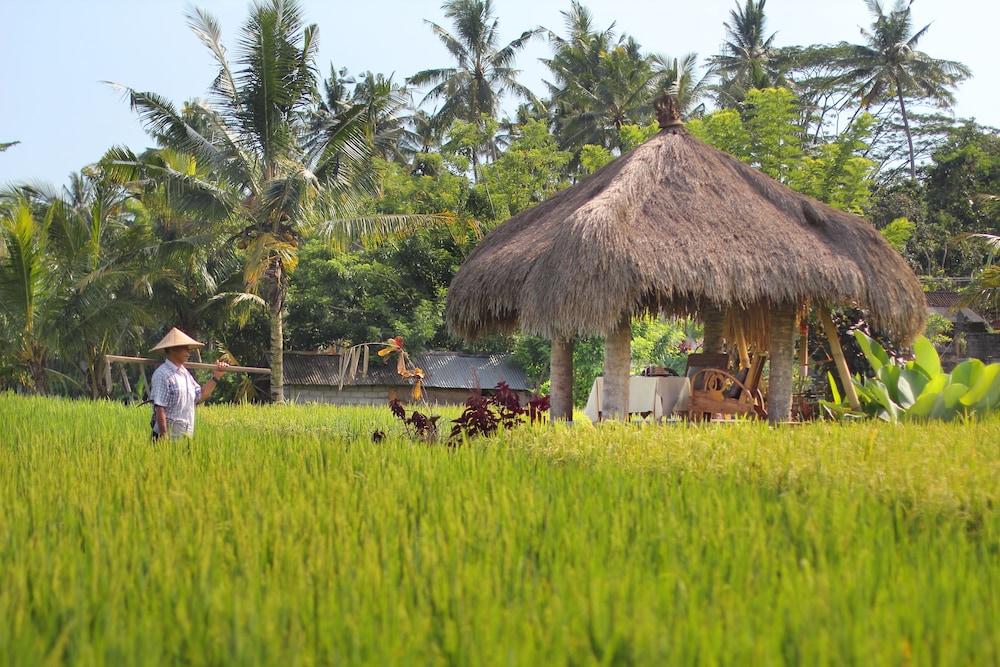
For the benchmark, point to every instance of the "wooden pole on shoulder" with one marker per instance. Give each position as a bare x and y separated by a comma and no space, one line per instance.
198,366
838,358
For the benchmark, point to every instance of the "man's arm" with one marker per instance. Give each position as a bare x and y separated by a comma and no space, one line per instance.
209,387
160,414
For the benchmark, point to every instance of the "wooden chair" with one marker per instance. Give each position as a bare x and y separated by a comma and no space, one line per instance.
716,391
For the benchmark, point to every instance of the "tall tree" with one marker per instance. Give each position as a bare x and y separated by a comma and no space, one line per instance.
483,71
273,178
680,77
601,82
888,66
748,58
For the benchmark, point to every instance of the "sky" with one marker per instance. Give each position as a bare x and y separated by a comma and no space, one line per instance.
56,54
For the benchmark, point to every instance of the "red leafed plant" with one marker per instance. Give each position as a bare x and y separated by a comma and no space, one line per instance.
484,415
417,424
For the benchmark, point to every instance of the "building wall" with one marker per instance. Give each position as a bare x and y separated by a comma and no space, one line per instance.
985,346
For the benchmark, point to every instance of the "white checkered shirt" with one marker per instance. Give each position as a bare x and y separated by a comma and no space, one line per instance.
174,389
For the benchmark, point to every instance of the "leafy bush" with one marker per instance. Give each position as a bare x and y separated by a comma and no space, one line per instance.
485,415
919,388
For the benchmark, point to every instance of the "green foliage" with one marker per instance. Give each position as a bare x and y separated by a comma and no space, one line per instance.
282,535
593,157
775,138
633,135
768,136
898,233
938,330
918,389
531,170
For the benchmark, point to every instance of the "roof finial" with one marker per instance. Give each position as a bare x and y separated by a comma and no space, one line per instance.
668,112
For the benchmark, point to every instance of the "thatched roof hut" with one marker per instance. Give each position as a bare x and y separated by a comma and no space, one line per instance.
677,226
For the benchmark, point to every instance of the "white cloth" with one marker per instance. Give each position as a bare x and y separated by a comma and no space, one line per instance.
658,395
174,389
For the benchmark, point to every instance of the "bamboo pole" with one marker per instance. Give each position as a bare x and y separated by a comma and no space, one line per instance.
741,348
198,366
838,358
804,350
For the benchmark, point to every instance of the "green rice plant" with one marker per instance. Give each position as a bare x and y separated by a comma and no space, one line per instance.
283,535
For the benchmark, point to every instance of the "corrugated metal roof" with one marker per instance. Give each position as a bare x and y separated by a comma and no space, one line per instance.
444,370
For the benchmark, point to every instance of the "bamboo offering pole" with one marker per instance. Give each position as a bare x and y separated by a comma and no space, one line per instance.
199,366
838,358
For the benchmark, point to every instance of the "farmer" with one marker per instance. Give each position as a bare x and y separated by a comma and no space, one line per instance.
174,391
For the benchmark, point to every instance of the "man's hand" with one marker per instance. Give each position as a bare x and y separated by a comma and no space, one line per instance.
220,368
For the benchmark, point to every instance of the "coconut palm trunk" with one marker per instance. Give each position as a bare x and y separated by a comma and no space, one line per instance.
561,378
617,362
781,348
906,129
714,318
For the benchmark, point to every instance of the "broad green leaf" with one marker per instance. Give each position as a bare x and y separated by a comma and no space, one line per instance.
926,357
923,406
889,376
947,401
935,385
915,379
833,388
968,372
984,386
905,394
874,352
881,395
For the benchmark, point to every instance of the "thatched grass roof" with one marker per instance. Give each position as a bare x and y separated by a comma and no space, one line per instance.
673,226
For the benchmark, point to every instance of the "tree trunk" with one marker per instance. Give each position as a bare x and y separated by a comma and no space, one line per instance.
617,363
909,135
781,351
561,379
277,352
713,321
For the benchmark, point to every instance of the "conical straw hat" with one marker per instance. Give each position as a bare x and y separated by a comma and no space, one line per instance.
176,338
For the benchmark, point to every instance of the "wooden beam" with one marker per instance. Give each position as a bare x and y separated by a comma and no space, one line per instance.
833,337
207,367
804,349
741,348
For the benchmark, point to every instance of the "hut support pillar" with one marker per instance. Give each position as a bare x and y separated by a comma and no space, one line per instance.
713,324
833,337
781,348
561,377
617,364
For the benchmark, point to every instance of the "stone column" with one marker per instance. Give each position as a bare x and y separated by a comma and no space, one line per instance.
561,380
781,351
617,364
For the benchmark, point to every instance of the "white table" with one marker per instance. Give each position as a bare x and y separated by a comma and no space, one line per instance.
657,396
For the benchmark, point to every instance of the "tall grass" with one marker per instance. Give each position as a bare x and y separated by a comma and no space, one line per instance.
282,535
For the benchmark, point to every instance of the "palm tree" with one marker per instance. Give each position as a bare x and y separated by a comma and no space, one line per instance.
28,298
483,71
387,106
888,65
749,58
601,82
271,176
679,77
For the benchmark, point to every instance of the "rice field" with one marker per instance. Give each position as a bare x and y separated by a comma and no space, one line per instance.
284,536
